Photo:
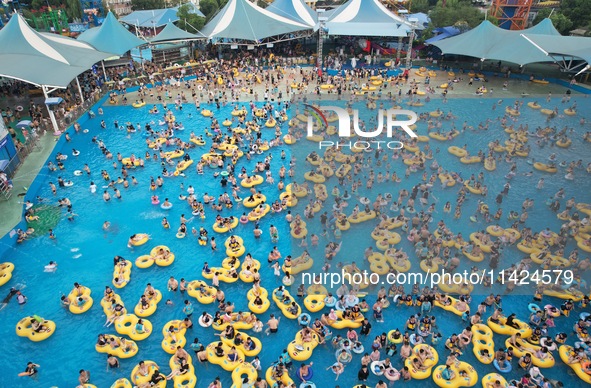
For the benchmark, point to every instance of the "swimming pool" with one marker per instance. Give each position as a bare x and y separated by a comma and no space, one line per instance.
84,252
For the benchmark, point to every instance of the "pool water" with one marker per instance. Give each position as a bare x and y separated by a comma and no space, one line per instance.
85,253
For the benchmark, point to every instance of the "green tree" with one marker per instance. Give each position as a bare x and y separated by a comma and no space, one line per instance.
188,21
73,9
578,11
562,23
419,6
211,7
138,5
455,11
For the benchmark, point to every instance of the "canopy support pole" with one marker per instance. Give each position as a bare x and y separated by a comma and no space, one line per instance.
141,58
399,49
56,129
409,48
104,71
80,90
584,70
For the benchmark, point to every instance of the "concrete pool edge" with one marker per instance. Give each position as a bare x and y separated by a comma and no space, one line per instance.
28,176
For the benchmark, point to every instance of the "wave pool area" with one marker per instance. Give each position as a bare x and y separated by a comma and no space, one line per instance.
84,248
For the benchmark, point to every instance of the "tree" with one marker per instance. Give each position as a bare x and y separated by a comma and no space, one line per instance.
578,11
211,7
138,5
188,21
562,23
455,11
73,9
420,6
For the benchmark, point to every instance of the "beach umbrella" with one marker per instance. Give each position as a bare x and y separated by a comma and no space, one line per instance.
23,124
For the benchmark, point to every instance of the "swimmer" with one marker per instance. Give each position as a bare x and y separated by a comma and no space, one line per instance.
51,267
30,370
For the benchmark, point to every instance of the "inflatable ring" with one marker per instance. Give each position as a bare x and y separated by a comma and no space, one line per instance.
78,173
166,207
204,324
533,308
224,173
376,368
180,235
358,348
85,131
19,108
199,87
505,368
304,315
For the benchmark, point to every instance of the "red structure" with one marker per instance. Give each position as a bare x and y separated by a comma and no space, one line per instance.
512,14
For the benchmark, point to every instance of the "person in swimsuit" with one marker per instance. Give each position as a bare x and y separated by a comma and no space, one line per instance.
30,370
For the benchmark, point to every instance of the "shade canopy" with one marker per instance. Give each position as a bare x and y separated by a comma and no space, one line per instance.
172,33
559,46
43,59
490,42
295,10
156,17
111,36
366,18
243,20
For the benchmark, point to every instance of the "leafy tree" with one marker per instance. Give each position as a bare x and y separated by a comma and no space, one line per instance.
211,7
493,20
188,21
455,11
562,23
419,6
559,20
73,9
578,11
138,5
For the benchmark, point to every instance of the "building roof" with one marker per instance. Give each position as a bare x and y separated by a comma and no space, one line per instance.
243,20
487,41
443,33
366,18
111,36
156,17
43,59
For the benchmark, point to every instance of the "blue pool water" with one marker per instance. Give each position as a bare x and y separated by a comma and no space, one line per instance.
84,252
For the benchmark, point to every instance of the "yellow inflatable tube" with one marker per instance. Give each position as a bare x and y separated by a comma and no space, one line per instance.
24,328
77,305
465,376
429,362
501,328
564,351
244,370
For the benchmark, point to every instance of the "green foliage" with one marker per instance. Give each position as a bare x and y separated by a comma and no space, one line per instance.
577,11
419,6
73,9
138,5
455,12
494,21
189,21
211,7
562,23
